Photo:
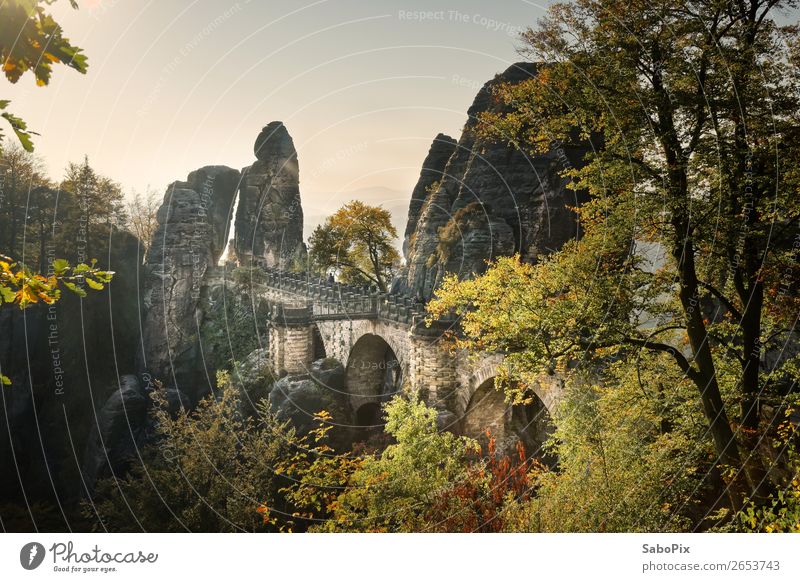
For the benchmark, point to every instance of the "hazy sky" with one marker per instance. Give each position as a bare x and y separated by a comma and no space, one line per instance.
363,87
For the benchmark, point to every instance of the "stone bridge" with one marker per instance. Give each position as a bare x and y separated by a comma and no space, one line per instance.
385,346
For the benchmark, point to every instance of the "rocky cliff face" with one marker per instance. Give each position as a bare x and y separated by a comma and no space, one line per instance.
491,200
192,231
429,177
269,218
63,359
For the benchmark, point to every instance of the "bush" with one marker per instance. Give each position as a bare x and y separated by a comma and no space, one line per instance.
630,458
781,511
248,277
314,478
395,490
207,471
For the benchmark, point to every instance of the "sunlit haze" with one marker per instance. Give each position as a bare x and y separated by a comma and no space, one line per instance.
362,87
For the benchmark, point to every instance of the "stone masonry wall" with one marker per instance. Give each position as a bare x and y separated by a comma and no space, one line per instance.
432,373
291,348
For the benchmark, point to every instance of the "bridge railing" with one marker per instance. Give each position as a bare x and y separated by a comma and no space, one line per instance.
332,300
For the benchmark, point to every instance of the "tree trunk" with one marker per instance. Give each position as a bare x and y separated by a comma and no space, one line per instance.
683,252
718,423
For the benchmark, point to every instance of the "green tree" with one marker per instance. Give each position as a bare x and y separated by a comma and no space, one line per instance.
208,470
20,174
31,40
97,207
42,222
357,242
395,491
696,106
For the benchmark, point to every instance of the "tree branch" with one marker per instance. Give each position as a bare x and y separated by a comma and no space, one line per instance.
724,300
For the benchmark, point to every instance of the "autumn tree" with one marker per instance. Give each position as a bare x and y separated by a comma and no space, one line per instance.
31,40
357,241
688,249
140,215
20,173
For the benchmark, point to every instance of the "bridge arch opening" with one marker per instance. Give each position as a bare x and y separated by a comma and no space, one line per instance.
317,344
369,415
530,423
372,376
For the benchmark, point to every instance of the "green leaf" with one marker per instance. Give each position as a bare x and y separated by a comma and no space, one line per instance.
96,285
104,276
5,380
75,289
60,265
7,293
21,130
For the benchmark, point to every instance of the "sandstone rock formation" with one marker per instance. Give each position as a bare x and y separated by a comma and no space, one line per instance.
123,427
64,360
192,231
299,397
431,174
118,433
492,200
269,218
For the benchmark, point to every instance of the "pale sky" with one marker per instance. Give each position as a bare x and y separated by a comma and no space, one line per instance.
363,87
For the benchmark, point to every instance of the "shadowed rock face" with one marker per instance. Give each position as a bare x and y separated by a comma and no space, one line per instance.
298,397
63,360
432,173
193,225
269,218
492,200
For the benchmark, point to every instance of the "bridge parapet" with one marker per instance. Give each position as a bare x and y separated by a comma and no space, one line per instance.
385,343
331,300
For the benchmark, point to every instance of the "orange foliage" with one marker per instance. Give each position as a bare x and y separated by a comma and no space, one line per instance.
477,503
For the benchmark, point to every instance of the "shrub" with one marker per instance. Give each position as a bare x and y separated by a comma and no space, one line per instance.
781,511
207,471
629,459
395,490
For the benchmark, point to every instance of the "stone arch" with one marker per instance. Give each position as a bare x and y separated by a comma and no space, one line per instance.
547,388
487,409
372,376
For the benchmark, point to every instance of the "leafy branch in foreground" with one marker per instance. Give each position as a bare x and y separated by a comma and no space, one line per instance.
23,287
31,40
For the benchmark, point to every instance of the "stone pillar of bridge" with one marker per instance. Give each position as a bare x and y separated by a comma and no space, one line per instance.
432,369
291,339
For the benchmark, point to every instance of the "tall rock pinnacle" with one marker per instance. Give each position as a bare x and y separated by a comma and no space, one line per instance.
269,218
192,230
